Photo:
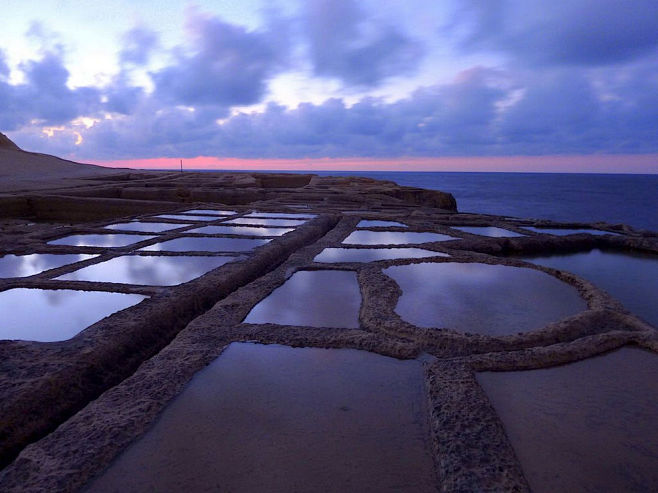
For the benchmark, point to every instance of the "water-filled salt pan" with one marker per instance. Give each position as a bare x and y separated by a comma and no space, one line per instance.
585,426
367,223
564,232
485,299
325,298
148,270
200,244
266,221
102,240
56,315
241,230
29,265
182,217
331,255
363,237
145,226
490,231
283,215
274,418
210,212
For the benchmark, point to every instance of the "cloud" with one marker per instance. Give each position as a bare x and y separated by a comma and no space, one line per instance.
344,43
226,65
138,44
577,32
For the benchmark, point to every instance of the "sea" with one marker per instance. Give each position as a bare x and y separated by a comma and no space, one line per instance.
566,197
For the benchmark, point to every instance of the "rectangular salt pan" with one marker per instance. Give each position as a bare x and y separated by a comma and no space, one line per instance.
490,231
585,426
56,315
148,270
364,237
145,227
103,240
198,244
266,222
312,298
29,265
283,215
210,212
367,223
564,232
273,418
240,230
332,255
182,217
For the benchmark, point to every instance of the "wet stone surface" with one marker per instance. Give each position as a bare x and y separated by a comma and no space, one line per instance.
287,419
56,315
481,298
363,237
103,240
199,244
148,270
333,255
313,298
490,231
29,265
585,426
631,277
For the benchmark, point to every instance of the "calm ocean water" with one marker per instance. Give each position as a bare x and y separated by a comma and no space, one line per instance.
628,199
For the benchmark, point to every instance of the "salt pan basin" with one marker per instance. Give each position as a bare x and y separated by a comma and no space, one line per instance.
210,212
632,278
287,215
47,315
367,223
104,240
324,298
182,217
364,237
586,426
29,265
241,230
148,271
199,244
490,231
145,227
564,232
274,418
485,299
266,221
332,255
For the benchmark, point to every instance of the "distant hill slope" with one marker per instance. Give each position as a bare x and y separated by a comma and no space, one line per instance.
20,169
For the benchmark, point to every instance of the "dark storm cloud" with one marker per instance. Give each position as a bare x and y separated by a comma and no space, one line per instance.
345,43
227,65
574,32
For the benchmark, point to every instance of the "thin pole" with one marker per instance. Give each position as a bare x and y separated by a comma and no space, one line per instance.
181,165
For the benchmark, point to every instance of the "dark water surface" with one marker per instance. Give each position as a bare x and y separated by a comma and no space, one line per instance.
28,265
281,419
200,244
104,240
490,231
365,237
587,426
330,255
145,227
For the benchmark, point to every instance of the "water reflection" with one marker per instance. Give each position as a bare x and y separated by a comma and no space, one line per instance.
102,240
181,217
266,222
490,231
485,299
241,230
145,227
148,271
564,232
632,278
315,298
289,215
586,426
210,212
366,223
293,419
330,255
56,315
363,237
28,265
197,244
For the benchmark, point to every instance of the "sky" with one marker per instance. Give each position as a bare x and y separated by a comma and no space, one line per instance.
461,85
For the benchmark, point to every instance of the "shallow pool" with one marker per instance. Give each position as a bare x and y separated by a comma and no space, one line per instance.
367,223
490,231
564,232
29,265
266,221
210,212
630,277
330,255
275,418
182,217
145,227
485,299
585,426
102,240
363,237
241,230
200,244
148,270
48,315
323,298
285,215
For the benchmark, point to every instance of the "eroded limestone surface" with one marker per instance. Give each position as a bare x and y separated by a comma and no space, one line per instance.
69,409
